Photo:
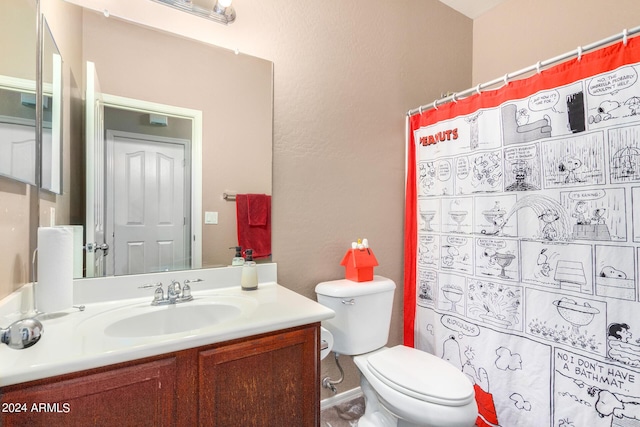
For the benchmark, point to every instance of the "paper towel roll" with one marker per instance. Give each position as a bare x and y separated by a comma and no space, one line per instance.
78,249
54,290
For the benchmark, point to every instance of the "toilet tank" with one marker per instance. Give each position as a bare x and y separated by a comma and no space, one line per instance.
363,313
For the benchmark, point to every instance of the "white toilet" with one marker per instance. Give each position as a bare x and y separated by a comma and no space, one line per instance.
402,386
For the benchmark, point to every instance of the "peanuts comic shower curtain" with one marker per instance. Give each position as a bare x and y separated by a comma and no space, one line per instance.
523,242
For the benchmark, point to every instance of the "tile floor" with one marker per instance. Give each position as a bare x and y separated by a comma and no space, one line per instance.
343,414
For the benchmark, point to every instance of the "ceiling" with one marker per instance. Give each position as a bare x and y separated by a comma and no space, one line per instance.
472,8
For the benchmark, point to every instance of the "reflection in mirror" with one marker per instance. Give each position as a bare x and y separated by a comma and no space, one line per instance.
232,95
51,113
18,20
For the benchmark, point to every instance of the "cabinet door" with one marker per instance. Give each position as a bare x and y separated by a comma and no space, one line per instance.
268,381
139,395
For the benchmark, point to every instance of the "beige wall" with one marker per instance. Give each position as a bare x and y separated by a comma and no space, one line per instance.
17,59
345,73
519,33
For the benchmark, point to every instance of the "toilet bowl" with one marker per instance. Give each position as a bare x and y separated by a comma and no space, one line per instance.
409,387
402,386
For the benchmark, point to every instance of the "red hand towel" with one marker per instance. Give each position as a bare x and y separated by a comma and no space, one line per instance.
258,209
256,237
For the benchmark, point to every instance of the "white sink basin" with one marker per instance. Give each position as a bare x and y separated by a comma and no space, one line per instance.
142,320
172,319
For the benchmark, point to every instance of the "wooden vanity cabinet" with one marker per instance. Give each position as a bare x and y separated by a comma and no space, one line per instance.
265,380
268,381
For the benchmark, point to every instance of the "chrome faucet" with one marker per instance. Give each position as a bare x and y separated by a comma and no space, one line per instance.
175,293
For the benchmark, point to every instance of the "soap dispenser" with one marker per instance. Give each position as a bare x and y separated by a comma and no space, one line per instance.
237,259
249,279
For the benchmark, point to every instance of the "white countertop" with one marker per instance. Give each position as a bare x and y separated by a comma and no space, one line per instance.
76,341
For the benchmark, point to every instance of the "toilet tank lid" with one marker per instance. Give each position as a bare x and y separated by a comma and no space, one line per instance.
348,288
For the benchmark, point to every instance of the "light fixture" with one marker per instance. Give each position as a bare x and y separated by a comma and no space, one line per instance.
221,12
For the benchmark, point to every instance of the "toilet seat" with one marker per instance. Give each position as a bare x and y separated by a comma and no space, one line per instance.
421,375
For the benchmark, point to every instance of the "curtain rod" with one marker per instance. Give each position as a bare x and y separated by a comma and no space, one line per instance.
536,67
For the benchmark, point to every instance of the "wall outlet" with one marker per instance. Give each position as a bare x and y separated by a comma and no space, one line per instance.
211,217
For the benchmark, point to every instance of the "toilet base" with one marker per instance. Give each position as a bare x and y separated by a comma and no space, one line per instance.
375,415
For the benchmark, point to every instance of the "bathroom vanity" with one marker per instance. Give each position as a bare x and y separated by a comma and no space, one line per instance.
258,368
252,381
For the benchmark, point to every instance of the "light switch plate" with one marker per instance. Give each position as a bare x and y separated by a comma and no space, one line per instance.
211,217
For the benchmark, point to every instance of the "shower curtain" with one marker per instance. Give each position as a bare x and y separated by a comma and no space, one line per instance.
522,242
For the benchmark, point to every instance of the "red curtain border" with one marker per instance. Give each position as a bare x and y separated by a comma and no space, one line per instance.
600,61
410,238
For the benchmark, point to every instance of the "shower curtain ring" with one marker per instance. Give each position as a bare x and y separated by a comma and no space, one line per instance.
579,53
506,79
478,90
453,98
625,34
538,66
435,104
420,109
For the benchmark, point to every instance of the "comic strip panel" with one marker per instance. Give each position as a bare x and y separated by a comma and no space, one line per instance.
615,272
569,320
566,267
494,215
435,178
613,97
479,173
497,369
522,168
497,258
574,161
427,288
428,251
597,215
429,215
624,148
555,112
456,215
585,384
541,217
459,135
451,293
495,304
457,254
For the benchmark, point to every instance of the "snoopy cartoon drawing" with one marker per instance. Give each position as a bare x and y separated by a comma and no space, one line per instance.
570,165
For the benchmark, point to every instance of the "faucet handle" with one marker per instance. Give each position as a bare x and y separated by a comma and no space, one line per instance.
150,285
158,295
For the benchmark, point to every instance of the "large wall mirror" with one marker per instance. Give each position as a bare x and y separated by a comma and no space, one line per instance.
170,126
